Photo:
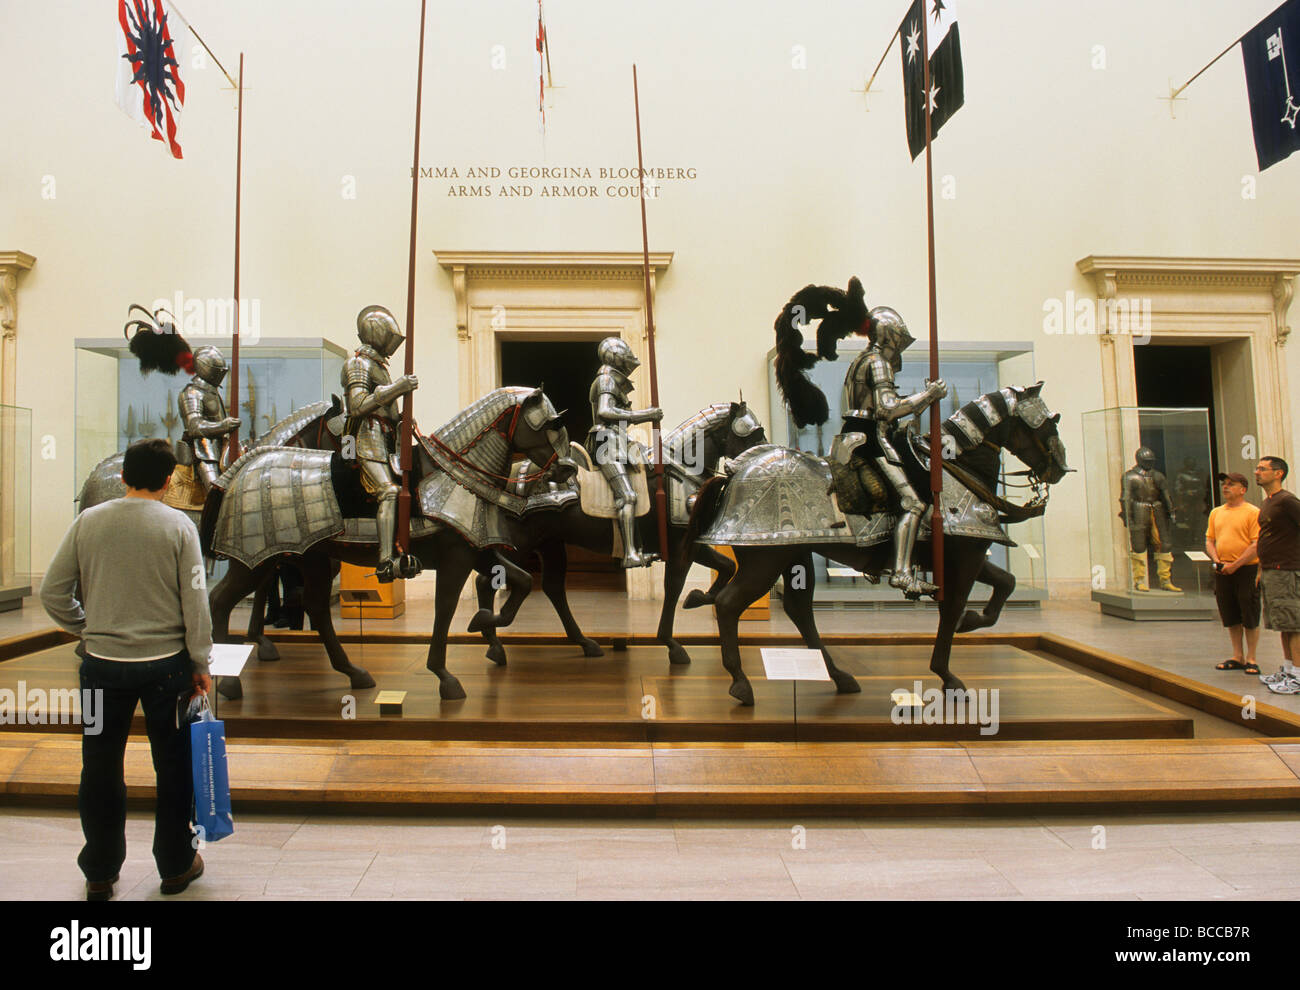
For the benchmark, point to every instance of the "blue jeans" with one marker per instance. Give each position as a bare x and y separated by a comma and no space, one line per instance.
158,686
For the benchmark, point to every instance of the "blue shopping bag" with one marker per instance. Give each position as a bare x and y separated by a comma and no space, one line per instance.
212,817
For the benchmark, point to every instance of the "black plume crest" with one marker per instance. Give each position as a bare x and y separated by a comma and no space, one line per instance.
842,312
156,343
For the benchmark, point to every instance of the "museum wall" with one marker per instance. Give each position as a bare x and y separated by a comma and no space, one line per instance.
1063,149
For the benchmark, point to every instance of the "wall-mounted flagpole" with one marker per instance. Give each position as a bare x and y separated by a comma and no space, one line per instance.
404,494
233,403
936,446
661,496
883,55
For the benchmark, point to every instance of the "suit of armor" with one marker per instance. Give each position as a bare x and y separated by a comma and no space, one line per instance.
608,443
872,407
203,413
1148,513
370,402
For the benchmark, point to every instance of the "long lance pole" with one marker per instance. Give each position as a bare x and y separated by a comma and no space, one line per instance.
936,448
233,403
661,496
404,494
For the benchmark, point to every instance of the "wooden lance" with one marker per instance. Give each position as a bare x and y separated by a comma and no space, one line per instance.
403,535
661,495
936,447
233,403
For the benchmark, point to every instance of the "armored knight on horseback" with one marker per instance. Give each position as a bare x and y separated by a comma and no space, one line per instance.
872,411
158,346
203,412
370,403
608,443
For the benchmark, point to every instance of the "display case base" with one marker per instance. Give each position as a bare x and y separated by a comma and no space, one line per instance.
1156,605
11,596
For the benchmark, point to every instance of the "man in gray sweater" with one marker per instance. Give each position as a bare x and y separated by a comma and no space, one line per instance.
129,580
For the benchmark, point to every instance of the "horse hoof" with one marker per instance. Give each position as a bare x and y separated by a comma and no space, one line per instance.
696,598
743,692
590,648
951,683
846,684
450,689
480,620
971,621
362,679
677,654
230,688
266,651
497,654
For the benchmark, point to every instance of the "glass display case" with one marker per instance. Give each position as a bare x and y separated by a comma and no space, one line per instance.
116,404
15,506
971,370
1146,521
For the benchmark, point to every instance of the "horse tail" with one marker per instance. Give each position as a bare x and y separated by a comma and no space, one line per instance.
841,313
707,502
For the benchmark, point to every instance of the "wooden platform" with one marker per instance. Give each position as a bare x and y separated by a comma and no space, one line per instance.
706,778
555,696
552,692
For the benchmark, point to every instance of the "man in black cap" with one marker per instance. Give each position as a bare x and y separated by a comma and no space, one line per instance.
1279,563
1231,541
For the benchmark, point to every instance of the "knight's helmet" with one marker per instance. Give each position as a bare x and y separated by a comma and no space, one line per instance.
1145,458
614,352
889,333
210,365
377,328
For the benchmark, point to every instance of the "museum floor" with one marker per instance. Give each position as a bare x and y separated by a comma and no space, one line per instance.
1200,855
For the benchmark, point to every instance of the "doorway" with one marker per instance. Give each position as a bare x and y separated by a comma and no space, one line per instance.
565,369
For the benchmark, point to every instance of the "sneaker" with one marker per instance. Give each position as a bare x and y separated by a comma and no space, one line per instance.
1288,685
174,885
1281,675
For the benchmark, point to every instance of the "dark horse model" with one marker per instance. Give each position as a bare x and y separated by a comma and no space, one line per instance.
308,504
780,506
693,453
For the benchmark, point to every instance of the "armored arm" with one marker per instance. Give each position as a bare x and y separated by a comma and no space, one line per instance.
610,412
360,398
361,402
198,425
1130,491
891,408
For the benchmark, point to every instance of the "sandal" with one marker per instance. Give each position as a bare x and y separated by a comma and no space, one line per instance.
1251,667
1231,665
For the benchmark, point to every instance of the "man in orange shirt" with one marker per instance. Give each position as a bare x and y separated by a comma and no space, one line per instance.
1231,541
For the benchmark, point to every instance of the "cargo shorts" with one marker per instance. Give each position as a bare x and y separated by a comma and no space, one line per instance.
1281,593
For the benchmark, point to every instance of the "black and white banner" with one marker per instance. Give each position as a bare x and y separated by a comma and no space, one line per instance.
947,89
1271,52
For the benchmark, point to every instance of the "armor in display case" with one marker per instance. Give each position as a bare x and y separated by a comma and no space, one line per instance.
1148,514
1147,559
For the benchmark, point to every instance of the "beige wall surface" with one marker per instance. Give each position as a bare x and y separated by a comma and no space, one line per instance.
1063,149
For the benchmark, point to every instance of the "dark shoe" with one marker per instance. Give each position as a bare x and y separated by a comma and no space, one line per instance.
174,885
100,890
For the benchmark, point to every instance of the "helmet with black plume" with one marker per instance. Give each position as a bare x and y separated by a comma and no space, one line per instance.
842,312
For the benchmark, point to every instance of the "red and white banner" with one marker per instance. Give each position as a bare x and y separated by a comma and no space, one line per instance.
149,86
